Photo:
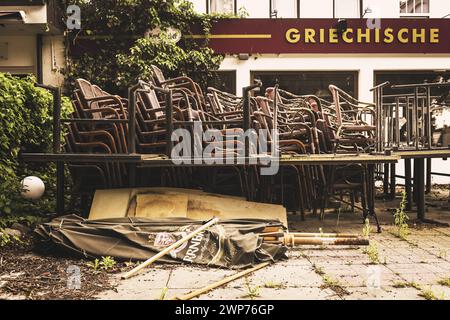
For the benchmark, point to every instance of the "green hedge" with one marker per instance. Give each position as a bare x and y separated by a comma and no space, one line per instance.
25,124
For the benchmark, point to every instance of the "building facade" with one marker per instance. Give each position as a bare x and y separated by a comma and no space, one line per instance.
32,40
301,52
354,71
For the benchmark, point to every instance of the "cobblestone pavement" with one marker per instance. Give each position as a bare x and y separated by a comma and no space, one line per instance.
390,268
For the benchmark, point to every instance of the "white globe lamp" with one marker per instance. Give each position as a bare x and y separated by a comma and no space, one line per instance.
32,188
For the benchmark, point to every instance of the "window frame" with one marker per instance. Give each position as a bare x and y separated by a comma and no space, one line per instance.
233,76
380,72
208,7
355,74
414,14
360,4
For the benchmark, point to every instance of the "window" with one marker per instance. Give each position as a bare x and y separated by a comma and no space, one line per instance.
221,6
410,77
414,7
440,117
320,9
310,82
347,8
224,81
284,8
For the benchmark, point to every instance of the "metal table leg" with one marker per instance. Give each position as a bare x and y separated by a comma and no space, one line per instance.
392,182
386,179
371,194
60,188
428,184
408,184
420,187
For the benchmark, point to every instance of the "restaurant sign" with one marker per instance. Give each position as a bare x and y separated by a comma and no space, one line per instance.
329,36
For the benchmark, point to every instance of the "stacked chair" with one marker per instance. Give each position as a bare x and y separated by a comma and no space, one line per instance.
305,124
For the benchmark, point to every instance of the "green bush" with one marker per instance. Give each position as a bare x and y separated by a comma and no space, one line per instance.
114,51
25,124
174,60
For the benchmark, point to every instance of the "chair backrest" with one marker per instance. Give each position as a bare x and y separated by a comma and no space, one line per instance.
270,94
213,104
150,100
87,91
158,75
264,107
348,108
98,92
337,104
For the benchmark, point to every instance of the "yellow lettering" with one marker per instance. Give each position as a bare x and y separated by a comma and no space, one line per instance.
388,35
345,36
322,35
333,36
293,35
434,35
416,36
401,35
377,35
365,35
309,35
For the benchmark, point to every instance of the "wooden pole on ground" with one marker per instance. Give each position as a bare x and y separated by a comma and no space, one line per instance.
323,235
169,249
222,282
293,240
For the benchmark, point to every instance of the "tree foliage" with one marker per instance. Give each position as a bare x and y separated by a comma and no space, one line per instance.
116,49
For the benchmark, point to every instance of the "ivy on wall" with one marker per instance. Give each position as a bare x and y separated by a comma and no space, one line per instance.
115,51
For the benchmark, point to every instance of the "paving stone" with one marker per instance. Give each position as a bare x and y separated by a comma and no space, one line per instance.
407,268
226,293
425,263
421,278
289,276
438,267
441,292
373,278
139,287
301,293
389,293
194,278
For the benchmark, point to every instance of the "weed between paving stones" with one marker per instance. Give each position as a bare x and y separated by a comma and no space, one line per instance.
252,291
425,293
329,282
444,282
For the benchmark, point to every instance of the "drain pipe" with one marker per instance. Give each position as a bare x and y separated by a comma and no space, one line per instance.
39,62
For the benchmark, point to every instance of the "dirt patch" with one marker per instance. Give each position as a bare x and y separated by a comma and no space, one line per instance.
24,273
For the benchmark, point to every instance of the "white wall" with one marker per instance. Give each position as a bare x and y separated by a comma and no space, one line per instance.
199,5
255,8
363,63
347,9
316,9
439,8
286,8
22,57
324,8
54,60
382,8
34,14
21,54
